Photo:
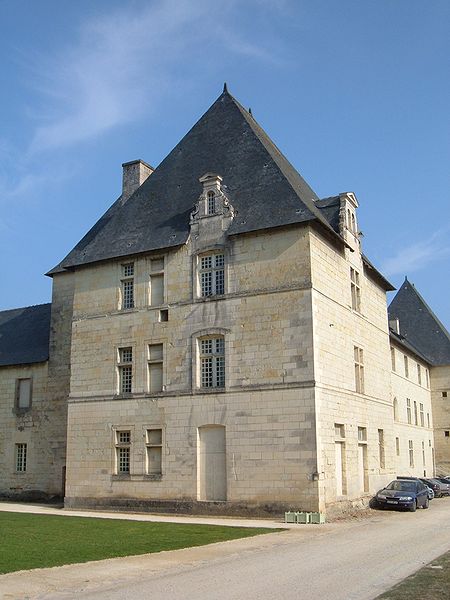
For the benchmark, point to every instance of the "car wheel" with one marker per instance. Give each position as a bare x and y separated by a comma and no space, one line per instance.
413,508
426,504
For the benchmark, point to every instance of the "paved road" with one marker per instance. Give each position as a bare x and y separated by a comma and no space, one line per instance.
339,561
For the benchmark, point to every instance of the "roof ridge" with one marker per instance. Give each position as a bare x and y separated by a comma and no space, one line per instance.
25,307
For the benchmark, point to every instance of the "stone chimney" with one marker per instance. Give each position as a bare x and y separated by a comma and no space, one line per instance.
135,173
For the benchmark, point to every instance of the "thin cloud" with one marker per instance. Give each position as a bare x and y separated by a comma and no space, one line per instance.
121,66
419,255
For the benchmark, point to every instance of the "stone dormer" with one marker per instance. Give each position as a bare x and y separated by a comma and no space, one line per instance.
348,224
213,212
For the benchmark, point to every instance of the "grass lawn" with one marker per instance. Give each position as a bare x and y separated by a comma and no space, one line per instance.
430,583
32,541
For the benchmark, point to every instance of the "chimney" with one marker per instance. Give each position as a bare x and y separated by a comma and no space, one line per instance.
394,324
135,173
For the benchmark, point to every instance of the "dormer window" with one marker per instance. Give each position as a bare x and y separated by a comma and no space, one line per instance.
211,203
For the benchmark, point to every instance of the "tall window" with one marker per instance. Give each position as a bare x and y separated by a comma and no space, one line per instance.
362,434
428,420
405,359
212,362
355,289
123,451
411,453
127,285
393,358
359,369
397,446
212,275
381,451
395,406
422,415
21,458
423,454
419,374
408,411
125,370
156,281
23,393
211,203
427,377
416,420
153,444
155,367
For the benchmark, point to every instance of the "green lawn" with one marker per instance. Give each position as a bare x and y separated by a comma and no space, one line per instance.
430,583
32,541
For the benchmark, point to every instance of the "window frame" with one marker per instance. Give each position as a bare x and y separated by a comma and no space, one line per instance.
408,411
154,273
125,279
149,446
355,288
218,282
17,407
123,365
358,357
119,450
212,363
381,449
20,457
159,360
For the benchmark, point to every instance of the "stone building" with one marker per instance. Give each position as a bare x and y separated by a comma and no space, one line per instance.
220,343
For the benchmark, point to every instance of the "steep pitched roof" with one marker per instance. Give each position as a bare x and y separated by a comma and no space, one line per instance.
263,187
419,325
24,335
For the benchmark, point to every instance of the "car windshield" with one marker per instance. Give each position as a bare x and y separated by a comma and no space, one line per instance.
402,486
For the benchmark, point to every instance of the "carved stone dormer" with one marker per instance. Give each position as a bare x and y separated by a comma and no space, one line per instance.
213,212
348,224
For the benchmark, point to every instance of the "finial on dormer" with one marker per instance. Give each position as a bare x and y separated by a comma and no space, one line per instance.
250,111
225,89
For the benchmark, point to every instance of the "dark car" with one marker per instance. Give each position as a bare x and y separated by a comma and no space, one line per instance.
434,485
403,493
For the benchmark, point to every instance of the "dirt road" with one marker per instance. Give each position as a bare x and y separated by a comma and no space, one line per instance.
341,561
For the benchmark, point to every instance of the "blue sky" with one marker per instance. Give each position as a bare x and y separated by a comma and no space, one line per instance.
355,93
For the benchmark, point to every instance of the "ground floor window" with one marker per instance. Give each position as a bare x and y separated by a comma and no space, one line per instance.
21,458
154,451
123,452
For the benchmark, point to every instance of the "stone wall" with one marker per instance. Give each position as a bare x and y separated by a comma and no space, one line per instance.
440,398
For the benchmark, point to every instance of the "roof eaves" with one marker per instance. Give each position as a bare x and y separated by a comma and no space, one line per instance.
387,285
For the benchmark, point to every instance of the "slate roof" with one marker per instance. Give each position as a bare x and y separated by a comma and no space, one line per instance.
24,335
263,187
419,325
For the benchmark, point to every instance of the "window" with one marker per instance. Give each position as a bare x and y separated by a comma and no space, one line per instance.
127,286
428,420
405,359
359,369
395,406
447,433
212,275
154,451
156,281
393,358
23,393
416,421
411,453
155,368
123,451
381,448
397,446
419,374
422,416
212,362
355,289
362,434
339,430
427,377
408,411
125,370
21,458
444,394
211,203
423,454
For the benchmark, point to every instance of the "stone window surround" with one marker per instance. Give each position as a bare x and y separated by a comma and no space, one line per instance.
196,280
117,445
159,360
127,279
119,365
153,443
355,288
22,409
195,349
152,272
20,457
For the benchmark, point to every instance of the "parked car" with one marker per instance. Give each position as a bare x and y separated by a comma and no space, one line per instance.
445,485
403,493
430,492
434,485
